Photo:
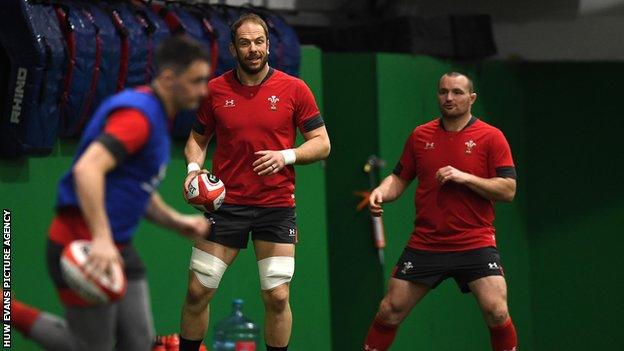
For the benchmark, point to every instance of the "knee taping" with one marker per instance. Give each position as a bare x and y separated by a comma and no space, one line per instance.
275,271
208,268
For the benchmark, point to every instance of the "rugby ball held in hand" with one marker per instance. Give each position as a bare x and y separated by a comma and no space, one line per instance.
109,287
206,192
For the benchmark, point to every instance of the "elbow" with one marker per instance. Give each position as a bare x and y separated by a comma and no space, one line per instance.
509,196
326,150
79,170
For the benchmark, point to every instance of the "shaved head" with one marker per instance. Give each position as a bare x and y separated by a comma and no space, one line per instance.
453,74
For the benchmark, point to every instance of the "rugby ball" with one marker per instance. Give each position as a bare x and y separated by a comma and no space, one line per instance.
98,290
206,192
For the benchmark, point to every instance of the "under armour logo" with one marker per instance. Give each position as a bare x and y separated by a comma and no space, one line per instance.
368,348
493,265
429,146
229,103
406,267
292,232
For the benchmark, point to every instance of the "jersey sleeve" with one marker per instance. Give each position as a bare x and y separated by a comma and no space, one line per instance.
307,114
406,167
125,132
204,119
500,160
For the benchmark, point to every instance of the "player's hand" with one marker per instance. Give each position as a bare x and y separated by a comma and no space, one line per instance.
449,173
268,162
102,256
193,226
374,202
188,179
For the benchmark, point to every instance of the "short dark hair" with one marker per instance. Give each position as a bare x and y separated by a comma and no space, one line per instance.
454,74
178,52
248,17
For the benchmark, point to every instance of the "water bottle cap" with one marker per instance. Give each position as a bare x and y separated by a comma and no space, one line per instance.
237,302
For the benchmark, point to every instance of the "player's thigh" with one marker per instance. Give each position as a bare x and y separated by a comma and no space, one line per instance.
225,253
403,295
135,326
265,249
490,291
94,327
209,261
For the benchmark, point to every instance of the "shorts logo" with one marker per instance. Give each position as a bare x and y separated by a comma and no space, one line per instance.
292,232
406,267
229,103
493,265
273,100
469,145
429,146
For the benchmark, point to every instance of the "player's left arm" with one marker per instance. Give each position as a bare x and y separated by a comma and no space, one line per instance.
316,146
160,213
501,184
495,189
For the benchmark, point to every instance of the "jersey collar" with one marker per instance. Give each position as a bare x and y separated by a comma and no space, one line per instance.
472,120
269,74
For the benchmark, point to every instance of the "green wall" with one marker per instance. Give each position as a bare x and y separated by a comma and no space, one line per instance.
576,203
355,276
28,188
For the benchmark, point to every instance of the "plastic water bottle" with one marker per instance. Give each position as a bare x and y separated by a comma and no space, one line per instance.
236,332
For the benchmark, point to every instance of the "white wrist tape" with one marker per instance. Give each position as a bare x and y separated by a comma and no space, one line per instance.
289,156
193,166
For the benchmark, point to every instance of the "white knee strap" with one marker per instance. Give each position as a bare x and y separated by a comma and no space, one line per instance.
208,268
275,271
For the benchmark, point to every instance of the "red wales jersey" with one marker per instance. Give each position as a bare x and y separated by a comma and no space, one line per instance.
246,119
452,217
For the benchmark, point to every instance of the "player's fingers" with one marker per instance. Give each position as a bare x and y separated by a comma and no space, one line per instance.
376,212
266,171
262,159
268,164
261,152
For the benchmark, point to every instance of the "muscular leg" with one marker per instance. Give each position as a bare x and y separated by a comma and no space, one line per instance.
196,304
491,295
401,297
278,316
135,327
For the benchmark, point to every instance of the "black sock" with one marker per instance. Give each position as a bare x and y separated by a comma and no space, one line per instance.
189,345
273,348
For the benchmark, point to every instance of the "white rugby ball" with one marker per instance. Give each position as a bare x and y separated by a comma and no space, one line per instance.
98,290
206,192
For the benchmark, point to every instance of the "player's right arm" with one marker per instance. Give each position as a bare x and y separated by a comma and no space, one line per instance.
89,180
389,190
126,131
197,142
395,184
195,154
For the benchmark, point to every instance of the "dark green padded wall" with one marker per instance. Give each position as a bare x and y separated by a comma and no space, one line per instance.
355,277
576,204
28,188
